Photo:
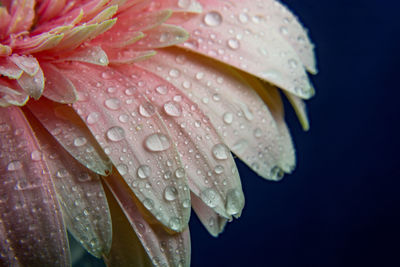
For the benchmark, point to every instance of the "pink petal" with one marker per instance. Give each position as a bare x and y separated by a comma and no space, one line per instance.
208,163
92,54
58,87
212,221
164,249
70,131
80,194
30,218
28,64
187,6
234,108
259,50
37,43
49,9
9,69
12,96
22,16
32,85
134,137
163,36
4,21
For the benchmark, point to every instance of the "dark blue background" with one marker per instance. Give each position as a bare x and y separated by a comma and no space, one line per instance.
341,205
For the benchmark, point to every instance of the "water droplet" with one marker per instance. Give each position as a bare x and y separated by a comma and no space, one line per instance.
80,141
180,173
92,118
148,203
210,197
36,155
115,134
174,73
220,151
147,110
123,118
234,202
173,109
107,74
62,173
186,203
243,18
144,171
113,104
14,165
170,193
219,169
277,173
212,19
162,89
233,44
122,169
228,118
284,30
292,63
174,223
183,3
157,142
257,132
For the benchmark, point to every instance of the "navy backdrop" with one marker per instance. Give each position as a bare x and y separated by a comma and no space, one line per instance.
341,205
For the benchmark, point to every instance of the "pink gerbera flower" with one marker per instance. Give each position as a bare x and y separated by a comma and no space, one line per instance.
117,117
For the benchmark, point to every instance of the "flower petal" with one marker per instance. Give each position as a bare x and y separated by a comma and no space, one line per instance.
163,248
30,216
28,64
300,108
234,108
69,130
9,69
22,16
32,85
212,221
262,51
163,36
92,54
79,192
208,163
58,87
134,137
126,249
12,96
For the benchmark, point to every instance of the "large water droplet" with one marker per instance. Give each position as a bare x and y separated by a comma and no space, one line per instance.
228,117
157,142
173,109
219,169
144,171
113,104
277,173
170,193
212,19
210,197
234,202
122,169
115,134
180,173
220,151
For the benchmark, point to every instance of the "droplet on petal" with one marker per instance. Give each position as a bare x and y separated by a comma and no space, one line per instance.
157,142
212,19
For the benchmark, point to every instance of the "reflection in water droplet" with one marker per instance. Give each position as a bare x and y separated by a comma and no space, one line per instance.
157,142
170,193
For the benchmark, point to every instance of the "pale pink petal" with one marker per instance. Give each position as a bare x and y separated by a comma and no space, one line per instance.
132,134
126,249
28,64
22,15
70,131
32,85
164,249
4,21
212,221
300,108
128,56
58,87
38,43
29,213
49,9
91,54
12,96
263,52
9,69
208,163
234,108
80,194
187,6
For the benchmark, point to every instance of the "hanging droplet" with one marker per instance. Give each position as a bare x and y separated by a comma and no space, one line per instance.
157,142
234,202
